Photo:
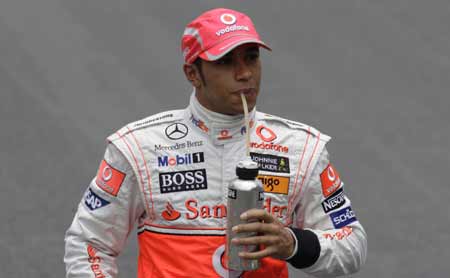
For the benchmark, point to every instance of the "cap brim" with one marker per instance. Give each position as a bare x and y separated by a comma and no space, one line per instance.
221,49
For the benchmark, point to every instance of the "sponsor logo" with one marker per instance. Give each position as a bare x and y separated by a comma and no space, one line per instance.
152,120
232,28
228,19
219,263
183,181
224,135
199,123
330,180
269,146
179,146
176,131
265,133
109,179
170,214
193,210
275,210
272,163
244,129
335,201
275,184
204,211
95,261
188,158
93,201
232,193
339,235
343,217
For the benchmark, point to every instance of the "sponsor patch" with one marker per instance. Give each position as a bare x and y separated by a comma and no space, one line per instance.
93,201
109,179
269,146
95,262
343,217
152,120
271,163
176,131
179,146
170,214
330,180
276,209
189,158
265,133
224,135
232,194
199,123
275,184
340,234
183,181
335,201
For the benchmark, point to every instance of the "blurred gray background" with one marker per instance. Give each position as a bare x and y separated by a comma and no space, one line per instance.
374,74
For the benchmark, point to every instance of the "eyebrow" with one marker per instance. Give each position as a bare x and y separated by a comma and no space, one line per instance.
248,50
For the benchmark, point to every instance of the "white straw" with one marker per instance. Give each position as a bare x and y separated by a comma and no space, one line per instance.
247,125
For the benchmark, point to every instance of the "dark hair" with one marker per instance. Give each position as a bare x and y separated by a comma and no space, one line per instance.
198,64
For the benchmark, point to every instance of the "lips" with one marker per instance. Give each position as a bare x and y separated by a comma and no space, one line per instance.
248,92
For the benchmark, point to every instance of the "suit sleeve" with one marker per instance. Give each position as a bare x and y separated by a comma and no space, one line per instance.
331,241
107,213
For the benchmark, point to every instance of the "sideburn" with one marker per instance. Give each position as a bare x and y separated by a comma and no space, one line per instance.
198,64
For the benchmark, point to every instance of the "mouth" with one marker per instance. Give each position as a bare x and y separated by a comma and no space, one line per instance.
247,92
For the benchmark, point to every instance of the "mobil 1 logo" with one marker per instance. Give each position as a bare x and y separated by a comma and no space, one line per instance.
183,181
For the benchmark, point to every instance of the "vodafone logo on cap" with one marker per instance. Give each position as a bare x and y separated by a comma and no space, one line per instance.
228,19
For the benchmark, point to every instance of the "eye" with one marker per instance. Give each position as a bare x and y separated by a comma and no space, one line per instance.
226,60
252,56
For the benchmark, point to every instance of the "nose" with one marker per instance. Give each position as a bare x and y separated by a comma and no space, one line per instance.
243,71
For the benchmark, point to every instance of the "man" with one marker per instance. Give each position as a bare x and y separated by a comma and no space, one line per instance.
170,172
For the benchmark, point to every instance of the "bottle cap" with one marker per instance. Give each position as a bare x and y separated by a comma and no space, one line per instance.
247,169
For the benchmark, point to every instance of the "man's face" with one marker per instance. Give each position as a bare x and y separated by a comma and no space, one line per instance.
225,79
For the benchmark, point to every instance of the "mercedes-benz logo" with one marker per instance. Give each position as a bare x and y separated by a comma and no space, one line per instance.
176,131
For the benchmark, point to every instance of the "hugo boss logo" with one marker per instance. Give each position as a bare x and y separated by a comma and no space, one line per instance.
176,131
183,181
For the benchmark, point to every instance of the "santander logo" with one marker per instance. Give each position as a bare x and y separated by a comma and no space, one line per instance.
170,213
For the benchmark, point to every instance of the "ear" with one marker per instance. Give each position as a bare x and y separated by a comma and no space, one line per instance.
192,75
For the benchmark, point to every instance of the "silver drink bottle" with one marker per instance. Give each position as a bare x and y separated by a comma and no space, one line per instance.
244,193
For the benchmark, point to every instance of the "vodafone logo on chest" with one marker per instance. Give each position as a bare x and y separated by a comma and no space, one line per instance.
267,135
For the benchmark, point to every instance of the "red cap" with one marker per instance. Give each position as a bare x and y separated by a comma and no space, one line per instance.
215,33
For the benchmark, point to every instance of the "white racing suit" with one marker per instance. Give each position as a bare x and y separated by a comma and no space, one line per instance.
170,173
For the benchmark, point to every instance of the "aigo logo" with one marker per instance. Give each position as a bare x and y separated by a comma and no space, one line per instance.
228,19
266,134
